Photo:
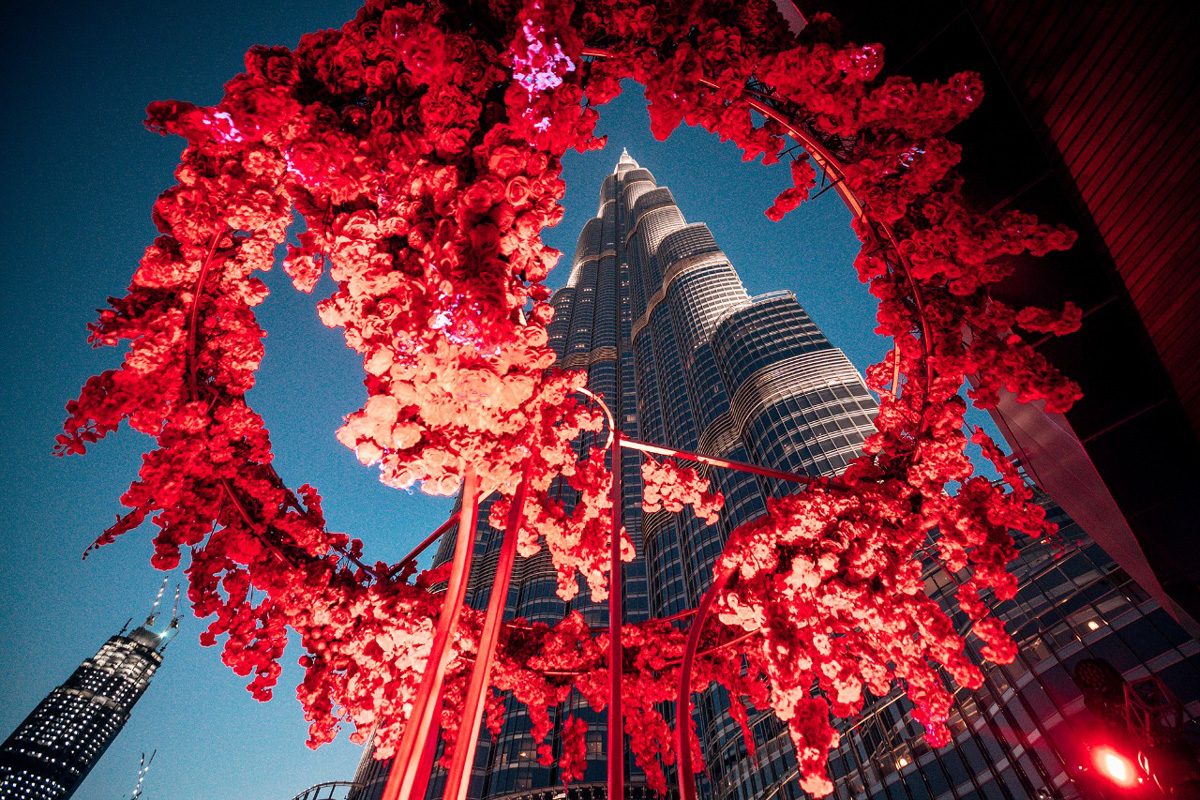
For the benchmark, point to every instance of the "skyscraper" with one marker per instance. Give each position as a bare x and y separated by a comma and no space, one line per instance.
53,750
658,317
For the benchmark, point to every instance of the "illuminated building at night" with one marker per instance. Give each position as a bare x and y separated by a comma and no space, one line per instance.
658,317
53,750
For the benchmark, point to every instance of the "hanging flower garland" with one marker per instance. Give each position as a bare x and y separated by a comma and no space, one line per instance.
421,144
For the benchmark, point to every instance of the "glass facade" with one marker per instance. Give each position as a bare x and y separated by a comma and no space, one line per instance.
53,750
705,367
1025,733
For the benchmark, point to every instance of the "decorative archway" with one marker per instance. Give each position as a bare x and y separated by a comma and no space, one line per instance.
421,146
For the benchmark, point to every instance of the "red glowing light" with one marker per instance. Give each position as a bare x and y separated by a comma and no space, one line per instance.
1114,766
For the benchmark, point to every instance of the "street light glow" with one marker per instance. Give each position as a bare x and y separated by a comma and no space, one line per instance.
1114,766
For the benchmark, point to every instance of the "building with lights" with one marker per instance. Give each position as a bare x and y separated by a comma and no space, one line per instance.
55,747
658,317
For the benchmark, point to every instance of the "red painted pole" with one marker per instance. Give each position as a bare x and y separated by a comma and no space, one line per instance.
685,775
430,539
716,461
413,762
616,656
458,779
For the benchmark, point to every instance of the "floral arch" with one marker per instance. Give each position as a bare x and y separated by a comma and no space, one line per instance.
421,146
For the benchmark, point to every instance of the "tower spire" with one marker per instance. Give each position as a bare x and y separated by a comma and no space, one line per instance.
154,608
143,768
173,626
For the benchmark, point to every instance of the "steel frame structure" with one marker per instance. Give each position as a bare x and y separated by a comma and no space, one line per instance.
411,769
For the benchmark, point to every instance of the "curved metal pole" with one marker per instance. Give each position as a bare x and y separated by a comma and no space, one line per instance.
413,762
685,775
458,778
830,164
608,415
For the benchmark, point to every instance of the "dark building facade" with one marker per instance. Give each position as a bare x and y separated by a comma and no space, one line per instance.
1089,119
1027,732
659,319
53,750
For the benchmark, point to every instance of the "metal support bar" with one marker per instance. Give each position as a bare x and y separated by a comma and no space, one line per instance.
430,539
616,660
458,778
826,187
409,776
716,461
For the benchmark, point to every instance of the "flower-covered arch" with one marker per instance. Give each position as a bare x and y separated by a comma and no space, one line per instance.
421,144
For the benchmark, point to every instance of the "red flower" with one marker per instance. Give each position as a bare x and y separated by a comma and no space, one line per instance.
516,192
507,161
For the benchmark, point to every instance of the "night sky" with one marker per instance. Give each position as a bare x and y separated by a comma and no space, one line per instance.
80,175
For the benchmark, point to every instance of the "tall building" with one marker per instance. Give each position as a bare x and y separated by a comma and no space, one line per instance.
658,317
54,749
703,366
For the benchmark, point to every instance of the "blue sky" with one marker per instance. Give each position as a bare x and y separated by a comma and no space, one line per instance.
80,175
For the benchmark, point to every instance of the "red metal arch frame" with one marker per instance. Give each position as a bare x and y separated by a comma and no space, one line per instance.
414,758
413,763
409,776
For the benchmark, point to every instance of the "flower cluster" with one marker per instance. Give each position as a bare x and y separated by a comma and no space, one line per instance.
579,540
541,666
421,145
667,486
